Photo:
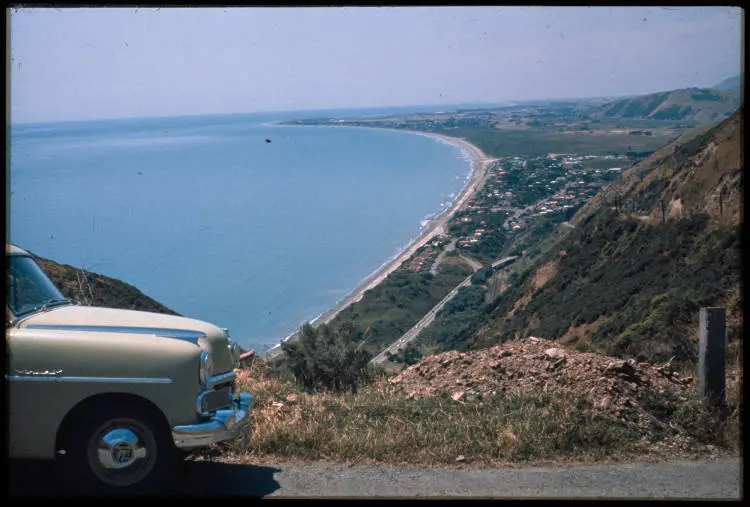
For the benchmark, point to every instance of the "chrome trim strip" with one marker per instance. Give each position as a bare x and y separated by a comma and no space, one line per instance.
220,379
114,380
180,334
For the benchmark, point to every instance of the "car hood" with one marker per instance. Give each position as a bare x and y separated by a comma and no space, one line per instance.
128,322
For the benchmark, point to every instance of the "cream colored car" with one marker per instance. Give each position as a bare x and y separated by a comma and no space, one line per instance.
115,395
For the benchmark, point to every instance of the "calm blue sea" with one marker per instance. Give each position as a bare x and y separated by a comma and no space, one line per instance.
205,216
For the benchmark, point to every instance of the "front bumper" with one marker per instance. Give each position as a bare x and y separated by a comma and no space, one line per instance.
223,425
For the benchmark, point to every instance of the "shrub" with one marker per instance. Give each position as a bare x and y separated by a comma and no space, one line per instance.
326,358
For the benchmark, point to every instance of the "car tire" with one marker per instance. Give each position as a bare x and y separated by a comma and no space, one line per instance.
118,448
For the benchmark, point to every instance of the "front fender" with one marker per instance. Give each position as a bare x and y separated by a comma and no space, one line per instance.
52,371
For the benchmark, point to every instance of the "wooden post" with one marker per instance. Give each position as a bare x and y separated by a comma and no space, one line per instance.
711,355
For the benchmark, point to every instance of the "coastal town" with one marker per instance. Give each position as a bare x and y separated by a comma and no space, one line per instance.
518,191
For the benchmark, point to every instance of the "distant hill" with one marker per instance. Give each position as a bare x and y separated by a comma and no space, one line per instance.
93,289
643,256
729,84
700,105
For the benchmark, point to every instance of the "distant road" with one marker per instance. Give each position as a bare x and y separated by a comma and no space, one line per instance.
412,333
715,480
419,326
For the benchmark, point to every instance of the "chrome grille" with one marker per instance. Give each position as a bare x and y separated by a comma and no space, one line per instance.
217,399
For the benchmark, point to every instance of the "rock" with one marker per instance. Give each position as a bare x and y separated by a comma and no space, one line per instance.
554,353
277,404
457,395
291,398
620,367
630,386
506,353
461,458
395,380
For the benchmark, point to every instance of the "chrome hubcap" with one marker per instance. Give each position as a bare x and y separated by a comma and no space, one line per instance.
120,448
122,452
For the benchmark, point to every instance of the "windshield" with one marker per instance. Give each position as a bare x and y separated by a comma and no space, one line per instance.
29,288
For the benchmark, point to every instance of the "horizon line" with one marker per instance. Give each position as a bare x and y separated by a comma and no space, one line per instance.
270,111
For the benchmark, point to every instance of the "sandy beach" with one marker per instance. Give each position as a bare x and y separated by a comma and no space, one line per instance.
479,165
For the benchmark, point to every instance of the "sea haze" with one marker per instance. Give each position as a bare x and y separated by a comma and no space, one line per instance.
205,216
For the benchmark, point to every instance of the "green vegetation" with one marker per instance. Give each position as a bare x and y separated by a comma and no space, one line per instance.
540,142
408,356
482,275
93,289
387,311
455,324
647,282
325,359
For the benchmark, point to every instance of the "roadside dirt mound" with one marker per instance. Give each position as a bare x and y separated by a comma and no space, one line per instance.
615,388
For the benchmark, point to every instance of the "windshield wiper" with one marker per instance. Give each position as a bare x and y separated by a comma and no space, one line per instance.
48,303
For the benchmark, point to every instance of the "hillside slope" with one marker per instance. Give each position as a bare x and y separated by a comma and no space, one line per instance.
93,289
730,83
645,254
701,105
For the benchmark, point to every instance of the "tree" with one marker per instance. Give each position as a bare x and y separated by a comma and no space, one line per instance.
326,358
482,275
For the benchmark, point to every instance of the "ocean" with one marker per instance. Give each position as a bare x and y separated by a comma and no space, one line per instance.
205,216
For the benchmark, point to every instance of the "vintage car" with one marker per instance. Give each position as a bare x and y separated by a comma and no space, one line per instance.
116,396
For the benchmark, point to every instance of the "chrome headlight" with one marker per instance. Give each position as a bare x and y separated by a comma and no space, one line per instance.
234,350
206,370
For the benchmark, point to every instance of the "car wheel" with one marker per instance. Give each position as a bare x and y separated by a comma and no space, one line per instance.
119,449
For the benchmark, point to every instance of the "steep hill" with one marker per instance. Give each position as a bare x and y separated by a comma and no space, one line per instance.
730,83
644,255
93,289
701,105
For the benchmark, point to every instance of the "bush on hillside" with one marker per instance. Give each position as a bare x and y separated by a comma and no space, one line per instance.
326,359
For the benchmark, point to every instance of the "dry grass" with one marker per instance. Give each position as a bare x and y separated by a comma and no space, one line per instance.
381,423
576,333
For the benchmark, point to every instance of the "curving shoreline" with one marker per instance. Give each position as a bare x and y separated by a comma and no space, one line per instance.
479,165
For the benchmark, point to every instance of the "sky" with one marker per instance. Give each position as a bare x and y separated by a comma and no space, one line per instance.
94,63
